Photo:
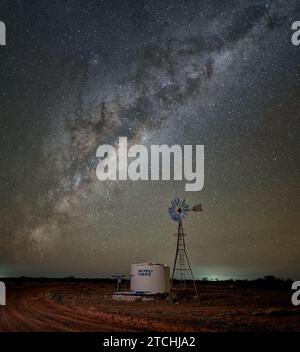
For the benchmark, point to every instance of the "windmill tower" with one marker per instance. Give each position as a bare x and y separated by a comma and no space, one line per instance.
178,212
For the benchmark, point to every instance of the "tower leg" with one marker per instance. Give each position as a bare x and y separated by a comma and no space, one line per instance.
194,283
176,257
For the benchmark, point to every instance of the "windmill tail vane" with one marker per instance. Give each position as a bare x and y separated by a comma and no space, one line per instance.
197,207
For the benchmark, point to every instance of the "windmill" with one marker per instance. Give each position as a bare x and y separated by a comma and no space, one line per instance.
178,212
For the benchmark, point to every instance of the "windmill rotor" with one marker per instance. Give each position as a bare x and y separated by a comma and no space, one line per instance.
178,209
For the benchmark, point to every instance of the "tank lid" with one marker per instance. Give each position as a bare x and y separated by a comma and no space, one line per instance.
149,263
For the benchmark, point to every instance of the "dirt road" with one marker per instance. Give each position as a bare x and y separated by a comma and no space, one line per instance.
88,306
29,309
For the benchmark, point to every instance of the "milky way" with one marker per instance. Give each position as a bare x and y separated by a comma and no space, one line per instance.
78,74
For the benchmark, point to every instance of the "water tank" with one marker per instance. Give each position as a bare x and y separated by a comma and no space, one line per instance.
150,278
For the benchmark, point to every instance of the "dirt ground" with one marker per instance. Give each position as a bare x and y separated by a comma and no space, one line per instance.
88,306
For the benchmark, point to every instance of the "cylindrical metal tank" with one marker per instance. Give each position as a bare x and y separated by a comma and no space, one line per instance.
150,278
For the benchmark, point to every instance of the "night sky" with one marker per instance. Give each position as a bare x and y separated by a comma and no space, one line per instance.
78,74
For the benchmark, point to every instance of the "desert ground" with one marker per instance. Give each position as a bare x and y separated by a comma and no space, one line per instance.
88,306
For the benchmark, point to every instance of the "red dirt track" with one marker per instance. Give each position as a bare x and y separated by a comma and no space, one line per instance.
30,310
88,306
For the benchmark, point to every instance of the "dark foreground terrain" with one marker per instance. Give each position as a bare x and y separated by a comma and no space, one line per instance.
88,306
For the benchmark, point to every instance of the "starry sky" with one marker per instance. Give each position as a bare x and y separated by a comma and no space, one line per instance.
78,74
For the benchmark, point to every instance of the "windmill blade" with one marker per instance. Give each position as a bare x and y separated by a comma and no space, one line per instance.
197,207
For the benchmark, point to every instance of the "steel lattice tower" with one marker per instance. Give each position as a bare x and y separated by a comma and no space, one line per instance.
178,212
181,263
